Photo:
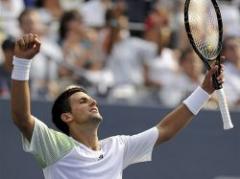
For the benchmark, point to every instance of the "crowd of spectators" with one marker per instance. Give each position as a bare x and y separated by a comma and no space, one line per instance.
122,51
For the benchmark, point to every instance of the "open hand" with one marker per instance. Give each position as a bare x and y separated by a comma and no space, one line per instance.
27,46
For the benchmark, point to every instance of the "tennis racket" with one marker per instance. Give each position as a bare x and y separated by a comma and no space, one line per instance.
204,27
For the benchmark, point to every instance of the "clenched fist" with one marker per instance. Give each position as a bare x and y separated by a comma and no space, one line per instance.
27,46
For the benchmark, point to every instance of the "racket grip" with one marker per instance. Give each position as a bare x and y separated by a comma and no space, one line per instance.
227,123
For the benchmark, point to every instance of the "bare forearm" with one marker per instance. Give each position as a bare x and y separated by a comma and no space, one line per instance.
173,123
20,100
21,111
182,115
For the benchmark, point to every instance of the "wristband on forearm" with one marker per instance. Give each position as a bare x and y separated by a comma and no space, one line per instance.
196,100
21,69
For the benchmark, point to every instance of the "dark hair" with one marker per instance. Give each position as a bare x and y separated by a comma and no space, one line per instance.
62,105
39,3
66,18
8,43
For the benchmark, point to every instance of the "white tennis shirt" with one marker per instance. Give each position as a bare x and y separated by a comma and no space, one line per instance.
62,157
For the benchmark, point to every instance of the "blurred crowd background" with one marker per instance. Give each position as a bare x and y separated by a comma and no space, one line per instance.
132,52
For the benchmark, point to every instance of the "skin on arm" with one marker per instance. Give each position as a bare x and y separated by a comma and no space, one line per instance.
170,125
26,48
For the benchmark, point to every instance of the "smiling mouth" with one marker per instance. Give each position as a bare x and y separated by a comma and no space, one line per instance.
94,110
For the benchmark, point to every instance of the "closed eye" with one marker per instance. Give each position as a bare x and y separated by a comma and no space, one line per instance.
83,100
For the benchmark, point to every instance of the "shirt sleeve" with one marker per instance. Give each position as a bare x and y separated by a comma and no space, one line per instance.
47,145
138,148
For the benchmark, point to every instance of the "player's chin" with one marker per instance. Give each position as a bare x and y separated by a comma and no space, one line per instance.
97,117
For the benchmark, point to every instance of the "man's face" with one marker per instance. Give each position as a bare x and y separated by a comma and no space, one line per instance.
84,109
31,23
232,50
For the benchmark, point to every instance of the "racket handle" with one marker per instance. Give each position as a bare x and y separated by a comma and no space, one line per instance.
227,123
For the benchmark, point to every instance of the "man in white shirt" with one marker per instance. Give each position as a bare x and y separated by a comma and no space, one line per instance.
76,152
231,50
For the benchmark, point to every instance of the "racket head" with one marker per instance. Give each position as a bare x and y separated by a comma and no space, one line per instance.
204,29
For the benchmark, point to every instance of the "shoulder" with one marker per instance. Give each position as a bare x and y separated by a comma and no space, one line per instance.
48,135
115,140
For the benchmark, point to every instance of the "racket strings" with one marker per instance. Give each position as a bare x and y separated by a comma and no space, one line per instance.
204,27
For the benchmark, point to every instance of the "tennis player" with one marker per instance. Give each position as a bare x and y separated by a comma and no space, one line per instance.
76,152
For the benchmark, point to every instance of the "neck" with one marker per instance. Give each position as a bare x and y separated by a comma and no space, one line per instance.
86,136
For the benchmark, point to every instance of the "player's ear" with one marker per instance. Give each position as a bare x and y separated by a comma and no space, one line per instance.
66,117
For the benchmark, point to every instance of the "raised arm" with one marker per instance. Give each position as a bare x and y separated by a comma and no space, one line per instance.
182,115
25,49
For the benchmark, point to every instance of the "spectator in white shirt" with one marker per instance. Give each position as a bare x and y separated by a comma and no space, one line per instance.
126,58
231,17
9,11
45,64
231,50
182,83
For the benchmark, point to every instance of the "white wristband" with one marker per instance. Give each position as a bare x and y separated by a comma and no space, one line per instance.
21,69
196,100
